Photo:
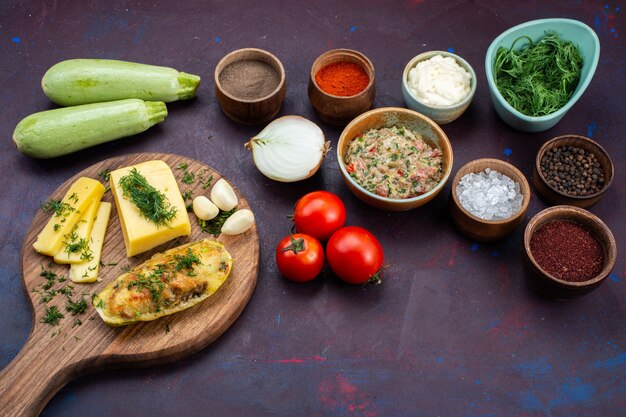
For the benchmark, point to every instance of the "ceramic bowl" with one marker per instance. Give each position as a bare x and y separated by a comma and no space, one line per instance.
339,110
551,286
388,117
440,114
248,111
487,230
552,195
567,29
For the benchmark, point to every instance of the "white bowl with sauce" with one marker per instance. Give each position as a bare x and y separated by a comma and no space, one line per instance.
379,118
442,114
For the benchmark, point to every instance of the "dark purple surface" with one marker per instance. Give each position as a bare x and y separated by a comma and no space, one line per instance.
453,331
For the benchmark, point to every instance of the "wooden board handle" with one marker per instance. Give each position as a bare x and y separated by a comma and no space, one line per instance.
32,378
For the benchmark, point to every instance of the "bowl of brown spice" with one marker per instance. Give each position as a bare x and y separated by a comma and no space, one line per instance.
568,252
250,85
341,85
572,170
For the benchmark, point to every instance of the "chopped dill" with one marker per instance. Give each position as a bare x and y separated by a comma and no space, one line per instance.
152,203
186,261
53,315
206,183
214,226
189,177
57,207
77,307
539,77
105,174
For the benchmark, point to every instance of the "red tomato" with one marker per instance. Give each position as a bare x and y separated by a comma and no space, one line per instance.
300,257
355,255
319,214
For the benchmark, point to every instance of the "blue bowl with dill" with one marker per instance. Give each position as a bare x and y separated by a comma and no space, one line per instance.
537,71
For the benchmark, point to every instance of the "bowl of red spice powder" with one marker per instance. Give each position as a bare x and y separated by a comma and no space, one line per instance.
341,85
568,252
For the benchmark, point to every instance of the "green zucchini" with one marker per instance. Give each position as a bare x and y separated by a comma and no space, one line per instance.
82,81
57,132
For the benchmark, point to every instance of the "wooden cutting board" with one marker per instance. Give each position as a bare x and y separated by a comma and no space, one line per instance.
54,355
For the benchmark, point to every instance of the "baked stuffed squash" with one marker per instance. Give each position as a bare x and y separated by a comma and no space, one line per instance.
165,284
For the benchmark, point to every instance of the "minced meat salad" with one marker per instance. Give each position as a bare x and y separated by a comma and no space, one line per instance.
394,162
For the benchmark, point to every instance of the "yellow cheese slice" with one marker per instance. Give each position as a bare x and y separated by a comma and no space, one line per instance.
140,234
78,238
88,271
80,195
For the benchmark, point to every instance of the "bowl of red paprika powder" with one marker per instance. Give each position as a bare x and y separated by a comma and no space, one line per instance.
568,252
341,85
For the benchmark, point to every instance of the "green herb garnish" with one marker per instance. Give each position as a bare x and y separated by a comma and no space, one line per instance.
152,203
182,165
152,283
189,177
53,315
206,183
57,207
186,261
77,307
105,174
540,77
214,226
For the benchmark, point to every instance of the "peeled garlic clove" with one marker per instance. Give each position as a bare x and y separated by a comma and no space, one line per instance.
238,222
204,208
223,195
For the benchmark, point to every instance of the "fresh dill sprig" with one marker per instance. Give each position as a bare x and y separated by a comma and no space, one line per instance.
52,316
57,207
77,307
105,174
152,203
186,261
214,226
188,177
540,77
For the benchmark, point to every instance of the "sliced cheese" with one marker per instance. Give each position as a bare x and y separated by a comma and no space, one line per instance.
88,271
79,235
141,235
80,195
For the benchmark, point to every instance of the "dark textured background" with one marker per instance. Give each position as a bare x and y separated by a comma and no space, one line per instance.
453,331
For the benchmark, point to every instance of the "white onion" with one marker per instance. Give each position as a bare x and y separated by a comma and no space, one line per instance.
290,148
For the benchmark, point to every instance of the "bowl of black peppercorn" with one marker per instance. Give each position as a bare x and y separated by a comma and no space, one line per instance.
572,170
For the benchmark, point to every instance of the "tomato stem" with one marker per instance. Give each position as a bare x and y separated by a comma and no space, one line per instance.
297,245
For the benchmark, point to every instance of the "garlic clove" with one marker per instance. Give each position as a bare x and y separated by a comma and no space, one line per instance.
204,209
238,222
223,195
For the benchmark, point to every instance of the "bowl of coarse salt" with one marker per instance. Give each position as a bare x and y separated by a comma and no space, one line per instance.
489,199
438,84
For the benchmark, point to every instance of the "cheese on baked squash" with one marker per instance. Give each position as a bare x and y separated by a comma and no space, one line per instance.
165,284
